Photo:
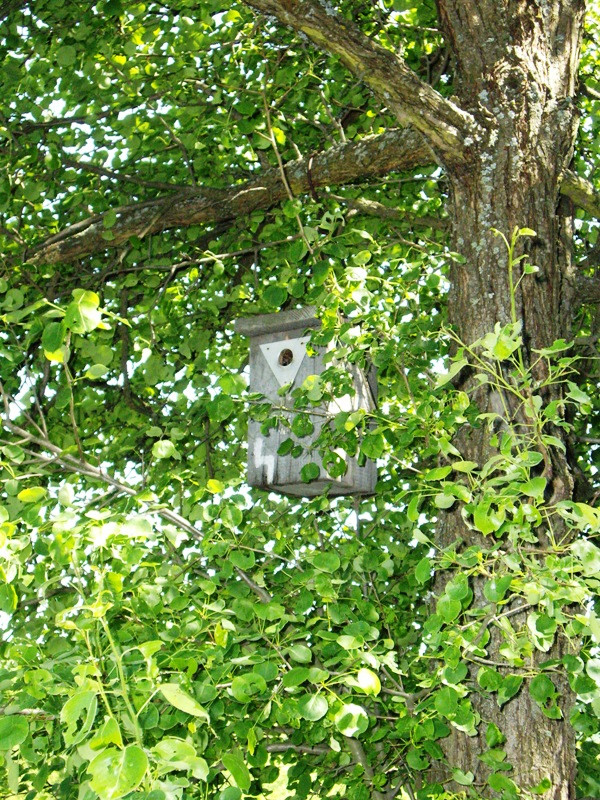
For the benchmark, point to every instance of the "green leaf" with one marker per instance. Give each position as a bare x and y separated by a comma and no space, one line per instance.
484,518
458,587
96,371
494,736
275,296
312,385
66,55
589,556
53,336
508,688
464,466
534,487
446,701
416,759
233,384
230,793
109,733
542,787
456,675
302,425
423,570
312,707
373,445
326,562
115,773
412,512
578,396
8,598
463,778
245,687
176,696
351,720
78,713
83,314
448,608
32,495
221,408
234,762
66,494
437,474
310,472
495,589
500,783
164,448
368,681
231,516
295,676
14,729
542,689
177,754
444,501
455,368
301,653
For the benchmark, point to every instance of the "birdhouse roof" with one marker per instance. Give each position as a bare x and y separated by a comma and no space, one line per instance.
297,318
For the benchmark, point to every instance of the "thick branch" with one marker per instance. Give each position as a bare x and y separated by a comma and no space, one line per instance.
284,747
360,757
581,192
368,157
445,125
587,289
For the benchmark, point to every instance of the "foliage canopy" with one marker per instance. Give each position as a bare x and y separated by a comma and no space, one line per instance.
169,633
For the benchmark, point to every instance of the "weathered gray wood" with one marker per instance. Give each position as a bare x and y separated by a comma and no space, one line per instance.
267,469
296,319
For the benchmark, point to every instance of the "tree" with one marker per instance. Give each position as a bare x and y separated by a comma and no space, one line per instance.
421,175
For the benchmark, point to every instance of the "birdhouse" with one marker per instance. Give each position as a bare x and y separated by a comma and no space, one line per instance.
279,358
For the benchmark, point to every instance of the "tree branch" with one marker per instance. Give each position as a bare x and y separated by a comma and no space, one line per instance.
587,290
369,157
360,757
581,192
445,125
589,92
81,467
284,747
371,207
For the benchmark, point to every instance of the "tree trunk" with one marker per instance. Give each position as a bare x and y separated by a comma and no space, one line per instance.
516,72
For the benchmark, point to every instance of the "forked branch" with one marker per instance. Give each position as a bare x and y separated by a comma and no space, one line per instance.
444,124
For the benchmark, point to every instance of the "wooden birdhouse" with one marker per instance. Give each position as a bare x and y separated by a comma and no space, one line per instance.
279,358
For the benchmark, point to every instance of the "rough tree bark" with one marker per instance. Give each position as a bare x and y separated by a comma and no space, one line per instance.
516,74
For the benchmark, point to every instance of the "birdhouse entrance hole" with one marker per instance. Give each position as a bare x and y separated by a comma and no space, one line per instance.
286,357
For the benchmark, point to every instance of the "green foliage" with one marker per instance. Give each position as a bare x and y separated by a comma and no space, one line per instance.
170,634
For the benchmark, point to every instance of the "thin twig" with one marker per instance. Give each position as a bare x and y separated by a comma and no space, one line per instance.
284,179
82,467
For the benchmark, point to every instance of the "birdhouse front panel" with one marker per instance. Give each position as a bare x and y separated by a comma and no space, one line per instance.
279,358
